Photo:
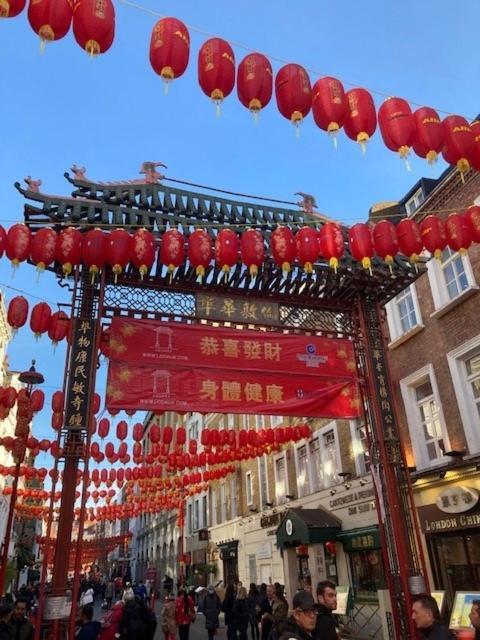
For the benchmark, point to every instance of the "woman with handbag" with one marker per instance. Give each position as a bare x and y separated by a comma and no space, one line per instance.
184,613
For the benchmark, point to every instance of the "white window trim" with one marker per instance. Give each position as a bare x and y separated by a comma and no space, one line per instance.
303,443
355,440
407,387
287,487
465,401
395,330
249,483
441,301
265,459
338,460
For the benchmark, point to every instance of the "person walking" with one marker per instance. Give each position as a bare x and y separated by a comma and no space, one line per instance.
253,605
240,613
23,629
128,593
6,630
109,592
169,626
89,628
184,613
279,613
326,625
426,617
301,624
211,610
227,608
111,622
266,606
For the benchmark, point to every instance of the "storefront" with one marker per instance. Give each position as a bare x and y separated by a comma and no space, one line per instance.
364,556
229,558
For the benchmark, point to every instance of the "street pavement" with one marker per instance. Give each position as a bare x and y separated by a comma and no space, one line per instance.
197,629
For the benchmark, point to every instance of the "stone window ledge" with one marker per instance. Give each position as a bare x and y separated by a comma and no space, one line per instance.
452,304
406,336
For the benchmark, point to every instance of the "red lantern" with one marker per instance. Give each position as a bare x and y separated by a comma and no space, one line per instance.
252,250
475,157
293,92
154,433
169,48
283,247
331,243
459,142
200,251
51,19
17,248
138,431
172,250
167,434
37,400
180,436
103,428
40,319
397,125
3,240
9,397
429,134
361,244
17,313
361,118
385,241
122,430
143,251
459,235
96,403
11,8
69,249
43,248
472,217
58,401
94,248
59,326
94,25
409,239
119,245
226,249
434,237
308,249
329,105
109,453
255,82
216,69
57,420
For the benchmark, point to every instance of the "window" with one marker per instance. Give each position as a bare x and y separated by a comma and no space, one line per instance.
204,522
425,417
303,481
263,481
403,313
280,479
233,494
193,430
450,277
276,420
472,366
331,468
464,363
252,568
454,274
189,518
415,201
213,508
249,488
324,458
368,575
223,504
196,515
259,422
360,447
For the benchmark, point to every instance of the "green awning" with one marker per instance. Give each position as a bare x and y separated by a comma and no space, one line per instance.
359,539
307,526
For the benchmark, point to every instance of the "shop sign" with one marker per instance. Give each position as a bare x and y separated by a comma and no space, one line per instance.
361,501
82,359
457,499
272,520
363,542
245,310
264,551
432,520
57,608
229,551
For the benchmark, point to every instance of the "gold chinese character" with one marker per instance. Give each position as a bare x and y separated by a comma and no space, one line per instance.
274,393
252,350
83,342
207,305
228,307
209,346
272,351
80,372
267,311
231,391
253,392
77,403
230,348
376,354
84,327
383,392
79,388
75,420
386,405
81,357
249,311
209,390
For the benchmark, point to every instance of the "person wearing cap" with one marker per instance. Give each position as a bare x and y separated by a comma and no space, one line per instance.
301,624
325,628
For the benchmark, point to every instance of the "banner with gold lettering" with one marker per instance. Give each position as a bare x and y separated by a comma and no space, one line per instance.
209,390
173,344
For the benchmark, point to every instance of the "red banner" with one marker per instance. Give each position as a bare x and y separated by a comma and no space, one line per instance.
171,344
228,391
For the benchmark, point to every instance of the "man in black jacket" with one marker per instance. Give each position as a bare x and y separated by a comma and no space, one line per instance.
325,629
300,625
475,618
426,616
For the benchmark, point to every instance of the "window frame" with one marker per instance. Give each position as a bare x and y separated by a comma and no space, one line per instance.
287,488
263,458
438,286
416,201
358,453
249,488
308,469
395,329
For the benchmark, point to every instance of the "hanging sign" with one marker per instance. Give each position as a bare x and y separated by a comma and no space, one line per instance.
233,309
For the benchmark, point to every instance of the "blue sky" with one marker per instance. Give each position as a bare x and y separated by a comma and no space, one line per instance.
111,113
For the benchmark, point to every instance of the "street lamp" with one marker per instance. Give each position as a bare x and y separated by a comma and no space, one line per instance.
30,379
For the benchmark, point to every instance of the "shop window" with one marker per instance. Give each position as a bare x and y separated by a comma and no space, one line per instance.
403,314
450,278
280,479
249,488
464,363
303,481
368,575
263,481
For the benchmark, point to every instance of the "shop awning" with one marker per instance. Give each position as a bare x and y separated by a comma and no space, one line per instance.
358,539
307,526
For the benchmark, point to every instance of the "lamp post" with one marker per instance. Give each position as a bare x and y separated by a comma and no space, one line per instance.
30,378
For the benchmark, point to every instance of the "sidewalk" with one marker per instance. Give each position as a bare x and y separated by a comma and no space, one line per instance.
197,629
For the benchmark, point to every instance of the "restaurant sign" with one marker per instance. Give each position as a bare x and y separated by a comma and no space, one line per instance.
432,520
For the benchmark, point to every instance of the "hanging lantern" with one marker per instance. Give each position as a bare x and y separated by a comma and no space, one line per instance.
40,319
9,397
58,401
122,430
216,70
3,240
11,8
293,92
96,403
361,244
429,134
459,235
331,243
361,118
59,326
283,247
154,433
169,49
475,156
119,245
180,436
409,239
172,250
472,217
308,249
142,251
200,251
43,248
69,249
103,428
57,420
94,25
138,431
458,143
329,105
252,249
226,249
397,126
255,82
434,237
385,241
17,313
37,400
17,248
94,248
50,19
